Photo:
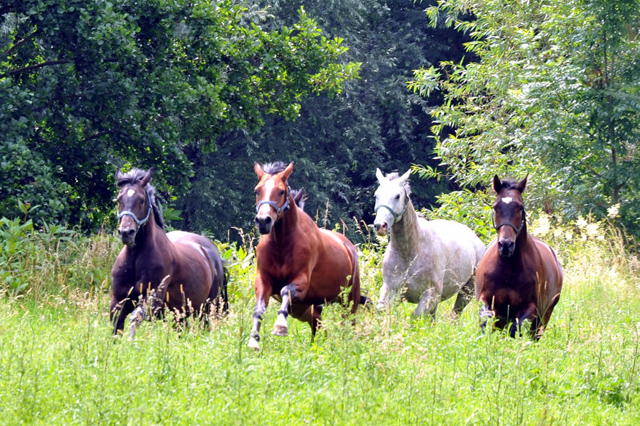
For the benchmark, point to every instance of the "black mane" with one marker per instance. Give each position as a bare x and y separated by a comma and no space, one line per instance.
275,167
299,195
133,177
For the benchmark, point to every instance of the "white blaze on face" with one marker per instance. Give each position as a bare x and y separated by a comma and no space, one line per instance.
507,200
131,192
268,187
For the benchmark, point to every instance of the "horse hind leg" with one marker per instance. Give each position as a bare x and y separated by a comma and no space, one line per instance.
465,295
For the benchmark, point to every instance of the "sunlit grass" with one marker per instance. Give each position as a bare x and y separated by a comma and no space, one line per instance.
60,365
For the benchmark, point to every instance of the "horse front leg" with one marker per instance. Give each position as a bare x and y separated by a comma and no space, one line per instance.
281,327
258,311
118,313
429,301
528,313
486,315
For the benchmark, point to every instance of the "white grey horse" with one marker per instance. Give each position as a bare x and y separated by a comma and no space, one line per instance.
426,261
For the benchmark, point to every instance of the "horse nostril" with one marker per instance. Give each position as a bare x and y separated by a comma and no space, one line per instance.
267,220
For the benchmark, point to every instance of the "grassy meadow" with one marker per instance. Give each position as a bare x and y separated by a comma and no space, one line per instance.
60,365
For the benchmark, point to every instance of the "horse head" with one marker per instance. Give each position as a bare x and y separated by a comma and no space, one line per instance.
392,199
272,196
509,216
134,203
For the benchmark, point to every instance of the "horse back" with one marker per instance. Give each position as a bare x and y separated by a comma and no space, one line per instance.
198,267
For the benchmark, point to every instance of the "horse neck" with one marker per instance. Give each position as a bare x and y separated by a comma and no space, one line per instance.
149,235
522,246
404,233
281,231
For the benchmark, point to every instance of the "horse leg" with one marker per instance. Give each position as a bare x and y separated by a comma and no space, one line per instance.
258,311
464,296
385,295
118,313
527,313
486,314
428,303
281,327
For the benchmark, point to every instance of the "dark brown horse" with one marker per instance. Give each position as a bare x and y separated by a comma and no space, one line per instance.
299,264
519,278
177,270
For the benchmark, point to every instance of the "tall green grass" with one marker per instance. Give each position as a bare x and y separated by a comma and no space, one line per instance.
60,365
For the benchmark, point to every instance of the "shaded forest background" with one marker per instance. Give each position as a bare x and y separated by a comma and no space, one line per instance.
201,90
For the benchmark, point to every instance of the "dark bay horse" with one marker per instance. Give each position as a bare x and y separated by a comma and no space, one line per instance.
299,264
519,278
180,271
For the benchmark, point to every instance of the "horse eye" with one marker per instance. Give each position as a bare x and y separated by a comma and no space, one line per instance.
398,197
281,192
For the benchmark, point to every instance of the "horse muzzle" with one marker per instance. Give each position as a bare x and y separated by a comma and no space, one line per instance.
381,228
264,224
127,235
506,247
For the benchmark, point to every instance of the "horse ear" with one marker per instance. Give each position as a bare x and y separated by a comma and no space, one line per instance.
405,177
119,175
380,175
287,172
497,184
522,185
146,178
258,170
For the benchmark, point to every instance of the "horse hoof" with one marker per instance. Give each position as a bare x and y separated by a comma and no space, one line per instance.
280,330
253,344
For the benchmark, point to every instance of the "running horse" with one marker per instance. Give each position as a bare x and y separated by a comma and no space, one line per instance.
299,264
179,271
519,278
426,261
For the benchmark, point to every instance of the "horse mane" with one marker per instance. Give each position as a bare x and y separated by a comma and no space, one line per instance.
509,184
300,196
396,175
133,177
275,167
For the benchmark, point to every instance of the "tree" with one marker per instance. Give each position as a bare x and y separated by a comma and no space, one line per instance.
336,142
91,85
554,94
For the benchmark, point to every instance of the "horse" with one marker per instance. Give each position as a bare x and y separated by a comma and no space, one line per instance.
179,271
426,261
298,264
519,278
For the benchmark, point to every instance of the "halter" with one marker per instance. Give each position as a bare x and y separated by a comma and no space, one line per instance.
133,215
279,210
396,216
517,230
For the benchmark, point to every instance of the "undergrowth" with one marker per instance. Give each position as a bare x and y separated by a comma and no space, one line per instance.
60,365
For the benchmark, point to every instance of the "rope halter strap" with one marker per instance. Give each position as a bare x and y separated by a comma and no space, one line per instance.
396,216
140,222
517,230
279,210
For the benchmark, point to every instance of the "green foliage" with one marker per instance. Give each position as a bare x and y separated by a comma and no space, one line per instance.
554,94
336,142
40,262
91,85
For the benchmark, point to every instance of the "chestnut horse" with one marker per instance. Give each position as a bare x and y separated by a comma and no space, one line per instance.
299,264
177,270
519,278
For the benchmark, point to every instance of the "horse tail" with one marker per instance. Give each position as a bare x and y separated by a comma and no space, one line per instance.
224,290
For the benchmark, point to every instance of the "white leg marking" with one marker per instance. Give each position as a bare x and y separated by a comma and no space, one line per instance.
253,344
